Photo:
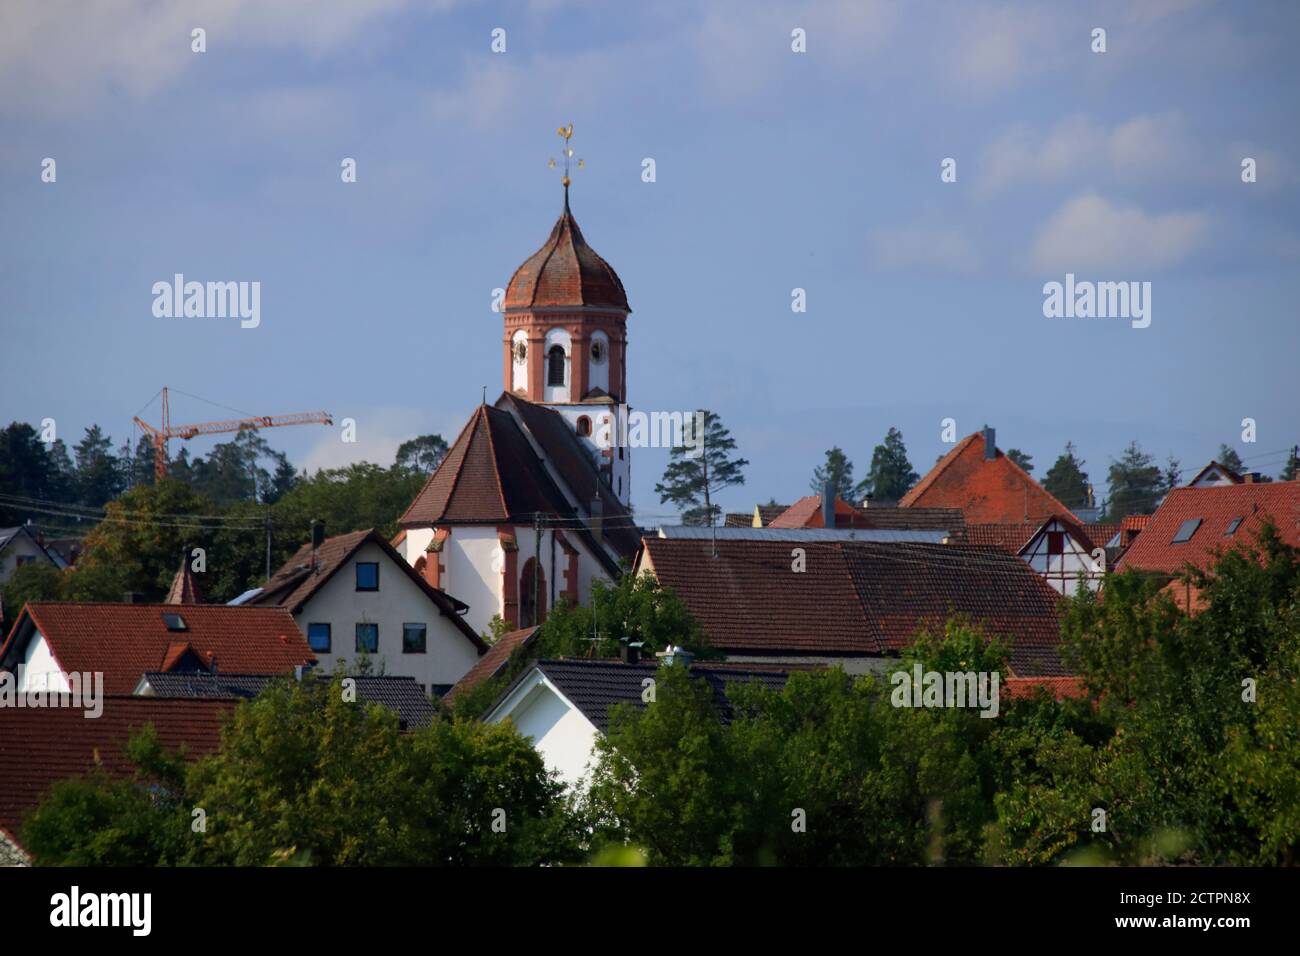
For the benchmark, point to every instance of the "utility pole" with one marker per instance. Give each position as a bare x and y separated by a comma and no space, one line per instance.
268,542
708,503
537,570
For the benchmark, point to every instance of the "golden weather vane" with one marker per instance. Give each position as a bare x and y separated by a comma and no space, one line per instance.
567,133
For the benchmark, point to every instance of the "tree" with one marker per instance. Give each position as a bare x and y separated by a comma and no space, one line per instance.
1291,470
838,470
33,581
1229,458
98,471
891,473
421,455
1066,480
1026,462
27,470
695,475
1136,484
1172,476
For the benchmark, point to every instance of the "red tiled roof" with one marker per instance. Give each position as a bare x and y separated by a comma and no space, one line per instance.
855,598
1005,537
1216,508
41,746
490,663
1061,688
996,491
807,513
293,585
1100,533
125,640
565,272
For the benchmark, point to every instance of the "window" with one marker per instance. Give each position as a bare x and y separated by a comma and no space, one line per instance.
319,638
1186,530
584,425
1233,525
367,638
25,559
367,575
1055,542
175,622
555,365
597,351
414,638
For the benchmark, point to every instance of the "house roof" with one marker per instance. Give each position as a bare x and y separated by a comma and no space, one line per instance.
565,271
490,664
294,584
1215,508
41,746
185,586
7,536
400,694
856,598
807,513
594,685
1100,533
988,491
1009,537
1060,688
126,640
1233,476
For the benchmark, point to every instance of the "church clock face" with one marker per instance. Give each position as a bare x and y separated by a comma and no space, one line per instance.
521,352
598,351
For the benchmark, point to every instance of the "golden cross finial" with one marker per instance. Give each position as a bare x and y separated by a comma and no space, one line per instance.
567,133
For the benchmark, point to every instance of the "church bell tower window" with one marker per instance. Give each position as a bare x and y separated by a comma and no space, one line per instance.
555,366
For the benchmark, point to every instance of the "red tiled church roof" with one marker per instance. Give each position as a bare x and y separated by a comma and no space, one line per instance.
988,491
565,272
125,640
1216,508
41,746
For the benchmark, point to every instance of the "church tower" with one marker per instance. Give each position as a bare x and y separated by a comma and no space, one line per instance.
565,342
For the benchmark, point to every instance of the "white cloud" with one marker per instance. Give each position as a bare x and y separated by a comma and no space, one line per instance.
379,432
1089,233
994,46
923,246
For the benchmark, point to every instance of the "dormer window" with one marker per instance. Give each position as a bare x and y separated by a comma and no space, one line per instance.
555,366
175,622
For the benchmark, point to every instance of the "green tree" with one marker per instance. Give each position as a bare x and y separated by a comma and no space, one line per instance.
33,581
1066,480
1291,470
838,470
27,470
1026,462
891,474
1136,484
1229,458
98,472
695,474
421,455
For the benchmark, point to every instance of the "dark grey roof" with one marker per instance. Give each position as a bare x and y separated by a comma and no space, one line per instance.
594,685
400,694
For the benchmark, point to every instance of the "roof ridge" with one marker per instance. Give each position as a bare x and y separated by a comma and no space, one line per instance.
940,466
496,471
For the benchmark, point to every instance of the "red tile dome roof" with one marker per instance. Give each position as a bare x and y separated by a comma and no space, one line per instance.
566,272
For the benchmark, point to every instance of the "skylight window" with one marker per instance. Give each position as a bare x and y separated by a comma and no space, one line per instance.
1233,525
175,622
1186,530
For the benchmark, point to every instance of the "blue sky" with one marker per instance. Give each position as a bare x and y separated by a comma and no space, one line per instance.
775,170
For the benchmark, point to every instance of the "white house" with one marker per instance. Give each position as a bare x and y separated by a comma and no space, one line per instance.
354,595
1063,555
18,546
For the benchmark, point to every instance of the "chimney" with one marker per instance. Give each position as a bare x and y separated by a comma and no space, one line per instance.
828,505
673,655
990,444
598,518
317,539
629,651
1251,477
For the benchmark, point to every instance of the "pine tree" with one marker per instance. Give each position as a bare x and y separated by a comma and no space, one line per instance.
1066,480
838,470
98,473
1229,458
891,473
1292,469
1026,462
695,475
1135,484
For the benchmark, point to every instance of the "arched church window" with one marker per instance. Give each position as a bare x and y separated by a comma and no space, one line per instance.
597,351
584,425
555,365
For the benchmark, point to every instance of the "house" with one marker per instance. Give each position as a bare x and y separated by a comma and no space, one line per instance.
1063,554
19,546
564,705
985,485
52,639
530,505
354,595
769,533
39,747
761,516
1215,474
1193,525
493,662
811,511
402,695
852,604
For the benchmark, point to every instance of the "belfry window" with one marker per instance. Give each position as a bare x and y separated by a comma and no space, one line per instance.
555,365
584,425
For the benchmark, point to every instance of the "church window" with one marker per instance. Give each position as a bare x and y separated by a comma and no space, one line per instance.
597,351
555,365
584,425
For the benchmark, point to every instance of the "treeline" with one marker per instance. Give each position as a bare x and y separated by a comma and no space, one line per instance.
1186,752
227,503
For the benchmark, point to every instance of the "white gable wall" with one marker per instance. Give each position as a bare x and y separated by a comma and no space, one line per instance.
40,670
399,600
564,738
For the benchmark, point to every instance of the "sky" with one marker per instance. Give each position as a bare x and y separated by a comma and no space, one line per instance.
775,170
